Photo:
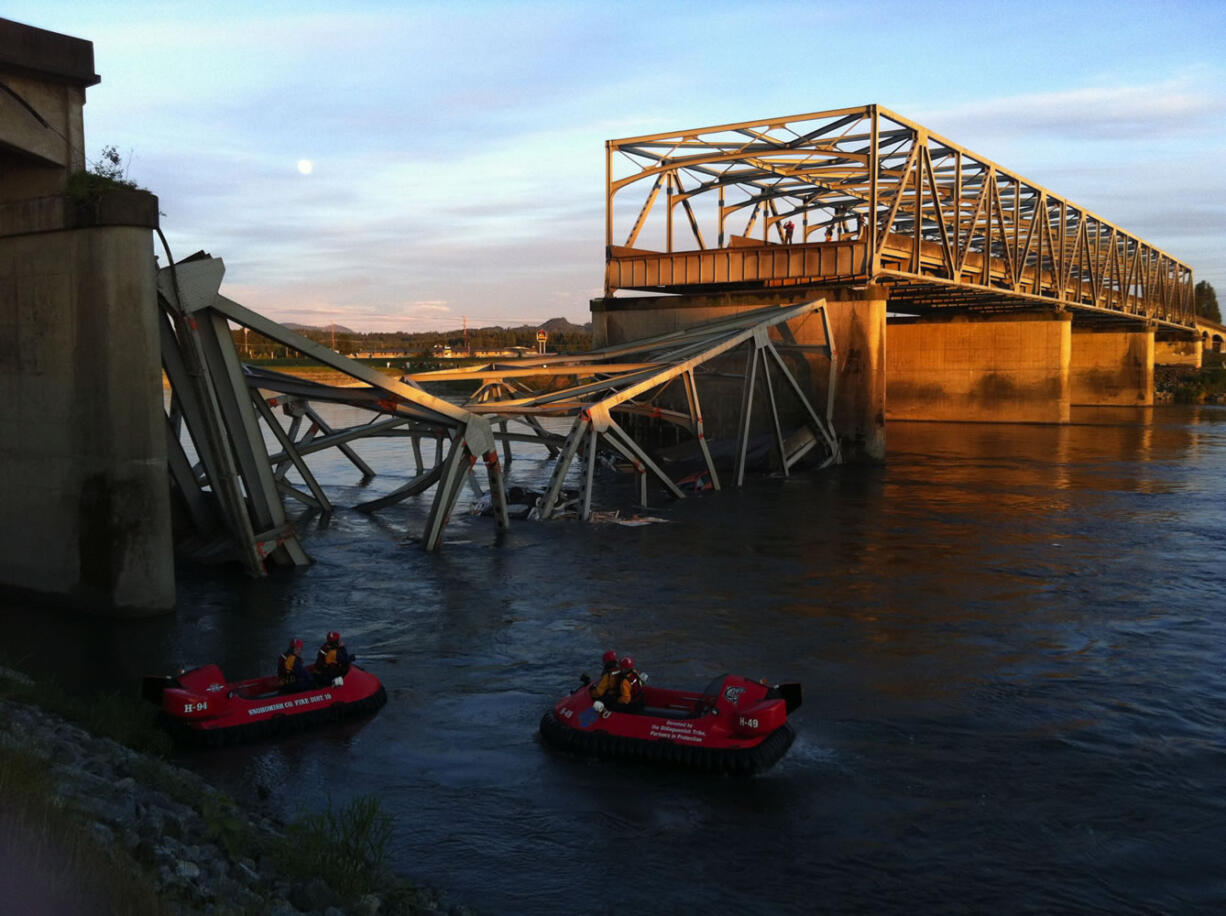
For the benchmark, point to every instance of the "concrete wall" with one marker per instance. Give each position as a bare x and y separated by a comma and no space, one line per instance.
1112,368
1178,353
84,501
42,137
858,328
1011,369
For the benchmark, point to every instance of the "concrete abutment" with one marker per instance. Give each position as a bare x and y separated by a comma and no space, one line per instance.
857,326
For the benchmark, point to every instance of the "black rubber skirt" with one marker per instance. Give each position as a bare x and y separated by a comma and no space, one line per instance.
728,761
267,728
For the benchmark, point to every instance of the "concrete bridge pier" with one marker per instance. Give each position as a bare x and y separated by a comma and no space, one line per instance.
997,369
857,319
1014,368
84,500
1112,368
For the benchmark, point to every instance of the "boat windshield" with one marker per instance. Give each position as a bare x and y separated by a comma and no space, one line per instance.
711,693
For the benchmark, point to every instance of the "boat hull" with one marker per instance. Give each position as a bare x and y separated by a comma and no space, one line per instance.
736,727
201,707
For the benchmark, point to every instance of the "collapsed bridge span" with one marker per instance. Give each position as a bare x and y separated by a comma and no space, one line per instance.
232,489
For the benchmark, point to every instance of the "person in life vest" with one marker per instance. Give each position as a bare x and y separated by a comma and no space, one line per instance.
332,660
606,687
291,672
629,687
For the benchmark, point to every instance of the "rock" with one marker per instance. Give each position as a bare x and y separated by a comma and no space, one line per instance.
134,802
187,870
103,834
246,872
313,895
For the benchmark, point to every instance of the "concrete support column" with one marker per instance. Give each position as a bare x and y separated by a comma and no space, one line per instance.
1112,368
1007,369
859,330
84,499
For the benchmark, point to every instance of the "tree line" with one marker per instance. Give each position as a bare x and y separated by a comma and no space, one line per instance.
253,345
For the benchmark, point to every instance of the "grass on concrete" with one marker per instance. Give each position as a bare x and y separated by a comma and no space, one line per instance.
50,860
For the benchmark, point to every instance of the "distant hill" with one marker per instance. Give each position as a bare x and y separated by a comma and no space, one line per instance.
562,326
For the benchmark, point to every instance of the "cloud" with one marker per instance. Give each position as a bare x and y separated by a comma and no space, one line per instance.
1177,106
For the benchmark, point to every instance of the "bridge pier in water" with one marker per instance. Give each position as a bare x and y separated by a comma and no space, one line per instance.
1013,368
84,503
1112,367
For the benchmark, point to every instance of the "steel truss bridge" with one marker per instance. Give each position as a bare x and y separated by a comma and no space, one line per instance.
871,198
232,480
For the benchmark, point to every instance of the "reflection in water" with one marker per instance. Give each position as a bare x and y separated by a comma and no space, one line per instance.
1009,639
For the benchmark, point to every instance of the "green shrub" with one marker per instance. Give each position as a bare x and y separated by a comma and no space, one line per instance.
226,825
346,848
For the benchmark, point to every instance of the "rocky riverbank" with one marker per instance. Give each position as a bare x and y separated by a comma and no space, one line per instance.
201,852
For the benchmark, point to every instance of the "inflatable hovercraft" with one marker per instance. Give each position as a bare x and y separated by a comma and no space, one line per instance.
735,726
201,706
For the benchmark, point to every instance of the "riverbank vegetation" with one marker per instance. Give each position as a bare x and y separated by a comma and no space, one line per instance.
420,349
1186,385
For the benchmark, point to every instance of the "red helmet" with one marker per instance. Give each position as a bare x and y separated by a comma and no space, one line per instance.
334,636
295,644
609,658
626,663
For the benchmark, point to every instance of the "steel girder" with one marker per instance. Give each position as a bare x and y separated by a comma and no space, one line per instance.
879,199
222,403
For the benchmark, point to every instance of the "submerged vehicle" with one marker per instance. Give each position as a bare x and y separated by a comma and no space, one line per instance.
736,726
201,706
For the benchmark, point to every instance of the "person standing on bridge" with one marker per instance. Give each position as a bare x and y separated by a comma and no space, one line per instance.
788,228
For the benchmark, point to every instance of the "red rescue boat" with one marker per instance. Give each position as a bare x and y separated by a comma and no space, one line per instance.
201,706
736,726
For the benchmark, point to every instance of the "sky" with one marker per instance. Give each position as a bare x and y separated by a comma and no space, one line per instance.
413,166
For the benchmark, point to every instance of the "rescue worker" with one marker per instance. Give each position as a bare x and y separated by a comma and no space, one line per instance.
629,687
291,672
606,687
332,660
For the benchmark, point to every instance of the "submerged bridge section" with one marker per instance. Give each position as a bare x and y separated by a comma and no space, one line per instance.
1006,302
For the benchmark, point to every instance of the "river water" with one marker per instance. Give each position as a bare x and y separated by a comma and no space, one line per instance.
1010,639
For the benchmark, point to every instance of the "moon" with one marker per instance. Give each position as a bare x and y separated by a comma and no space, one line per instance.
305,166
